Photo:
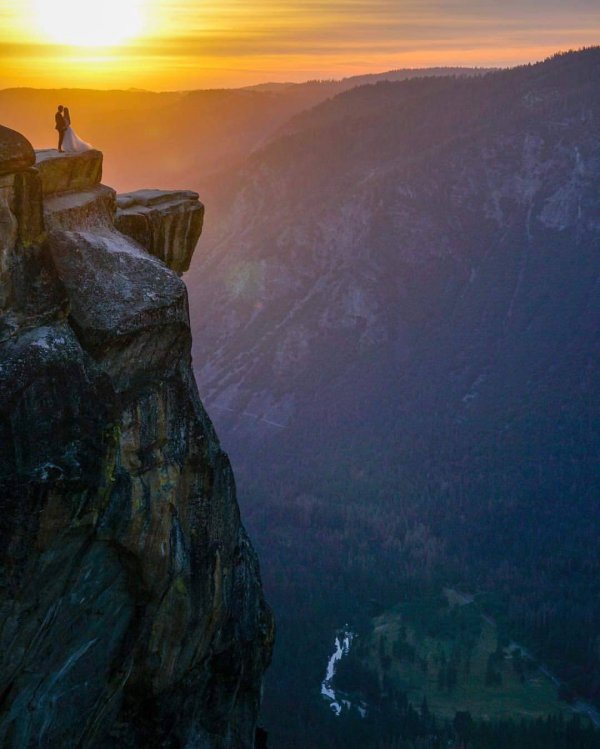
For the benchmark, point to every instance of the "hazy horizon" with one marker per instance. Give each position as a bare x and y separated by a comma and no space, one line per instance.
269,82
303,81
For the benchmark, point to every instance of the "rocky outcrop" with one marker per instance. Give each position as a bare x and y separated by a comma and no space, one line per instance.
152,327
131,609
68,172
167,223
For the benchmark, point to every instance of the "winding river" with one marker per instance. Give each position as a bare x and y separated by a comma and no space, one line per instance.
338,702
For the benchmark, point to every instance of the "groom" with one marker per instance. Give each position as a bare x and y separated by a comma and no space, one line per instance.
61,126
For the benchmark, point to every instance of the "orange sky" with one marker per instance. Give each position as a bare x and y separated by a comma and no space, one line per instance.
182,44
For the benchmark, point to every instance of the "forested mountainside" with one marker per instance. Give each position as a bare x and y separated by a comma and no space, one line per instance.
396,330
177,139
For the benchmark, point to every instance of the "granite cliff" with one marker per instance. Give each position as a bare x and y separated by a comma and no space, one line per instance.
131,607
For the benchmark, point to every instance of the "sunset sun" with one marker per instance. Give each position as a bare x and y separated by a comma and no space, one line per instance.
89,23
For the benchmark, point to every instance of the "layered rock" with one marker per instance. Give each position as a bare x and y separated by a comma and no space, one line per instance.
167,223
68,172
131,609
30,292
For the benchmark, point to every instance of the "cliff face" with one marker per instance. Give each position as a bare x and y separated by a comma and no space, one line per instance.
131,608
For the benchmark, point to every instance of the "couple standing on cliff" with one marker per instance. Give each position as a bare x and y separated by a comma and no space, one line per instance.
66,135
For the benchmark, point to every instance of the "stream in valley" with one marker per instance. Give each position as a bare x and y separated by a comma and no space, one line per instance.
338,701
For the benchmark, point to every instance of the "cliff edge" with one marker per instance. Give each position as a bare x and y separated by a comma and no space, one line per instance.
131,607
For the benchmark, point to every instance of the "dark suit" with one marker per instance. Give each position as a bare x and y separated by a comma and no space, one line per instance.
61,126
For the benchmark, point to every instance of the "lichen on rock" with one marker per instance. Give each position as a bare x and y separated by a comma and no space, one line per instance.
131,608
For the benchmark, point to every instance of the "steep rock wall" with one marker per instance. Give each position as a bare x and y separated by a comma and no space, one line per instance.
131,608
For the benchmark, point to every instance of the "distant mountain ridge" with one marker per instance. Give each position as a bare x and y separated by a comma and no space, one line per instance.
378,143
400,74
170,138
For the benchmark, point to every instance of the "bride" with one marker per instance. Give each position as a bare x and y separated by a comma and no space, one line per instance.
72,143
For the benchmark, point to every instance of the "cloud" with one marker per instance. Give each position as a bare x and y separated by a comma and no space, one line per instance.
270,24
186,42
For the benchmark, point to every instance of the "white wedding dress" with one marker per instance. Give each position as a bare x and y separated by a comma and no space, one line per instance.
72,143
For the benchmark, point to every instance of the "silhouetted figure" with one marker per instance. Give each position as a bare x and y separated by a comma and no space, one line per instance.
61,126
261,737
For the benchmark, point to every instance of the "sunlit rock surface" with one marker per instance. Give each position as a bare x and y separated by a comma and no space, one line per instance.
131,608
64,172
166,222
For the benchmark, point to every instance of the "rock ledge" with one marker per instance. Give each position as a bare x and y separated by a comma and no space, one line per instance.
168,223
68,172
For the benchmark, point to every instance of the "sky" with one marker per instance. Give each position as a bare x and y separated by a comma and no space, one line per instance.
185,44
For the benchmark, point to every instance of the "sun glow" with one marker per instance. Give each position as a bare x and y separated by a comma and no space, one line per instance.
89,23
185,44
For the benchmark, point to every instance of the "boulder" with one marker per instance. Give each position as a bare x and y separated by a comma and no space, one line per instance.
129,310
167,223
16,152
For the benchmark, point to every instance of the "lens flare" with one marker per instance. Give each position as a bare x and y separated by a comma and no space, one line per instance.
89,23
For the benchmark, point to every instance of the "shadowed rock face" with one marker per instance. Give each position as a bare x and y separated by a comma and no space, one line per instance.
29,288
131,608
